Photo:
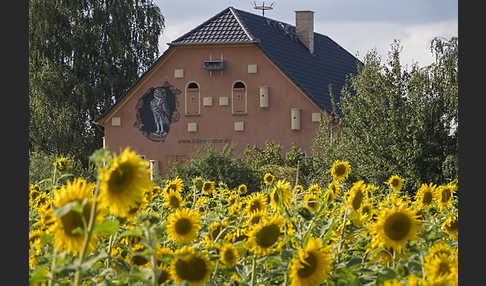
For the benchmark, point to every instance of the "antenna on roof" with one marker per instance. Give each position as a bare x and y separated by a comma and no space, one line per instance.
262,7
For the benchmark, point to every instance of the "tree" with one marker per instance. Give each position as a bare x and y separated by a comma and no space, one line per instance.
83,57
395,120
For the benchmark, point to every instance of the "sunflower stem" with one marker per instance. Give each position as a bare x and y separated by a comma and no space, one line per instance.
253,269
53,265
153,261
342,234
313,222
88,234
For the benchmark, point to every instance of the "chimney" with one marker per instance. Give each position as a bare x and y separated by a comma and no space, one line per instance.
304,28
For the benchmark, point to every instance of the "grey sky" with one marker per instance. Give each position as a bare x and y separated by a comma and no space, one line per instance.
357,25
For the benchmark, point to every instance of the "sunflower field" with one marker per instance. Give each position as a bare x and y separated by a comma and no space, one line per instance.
124,229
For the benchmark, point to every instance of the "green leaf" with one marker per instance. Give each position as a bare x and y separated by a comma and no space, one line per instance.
353,261
106,227
92,260
39,275
132,232
71,206
46,238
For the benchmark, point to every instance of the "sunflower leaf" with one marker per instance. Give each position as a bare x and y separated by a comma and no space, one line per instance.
106,227
132,232
71,206
92,260
39,275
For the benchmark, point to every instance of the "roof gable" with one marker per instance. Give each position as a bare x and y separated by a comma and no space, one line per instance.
223,28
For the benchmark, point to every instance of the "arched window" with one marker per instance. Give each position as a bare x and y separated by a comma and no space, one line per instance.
192,98
239,97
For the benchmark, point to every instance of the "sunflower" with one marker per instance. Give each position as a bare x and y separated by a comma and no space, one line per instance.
164,274
78,190
233,204
426,196
312,266
215,233
208,187
356,196
175,185
451,226
34,240
162,254
333,189
62,164
255,217
263,236
340,170
395,183
442,265
137,256
183,225
366,211
235,235
268,179
314,189
42,201
173,199
394,227
256,202
445,194
311,201
298,189
202,204
47,219
34,192
124,183
242,189
229,255
190,266
282,187
438,249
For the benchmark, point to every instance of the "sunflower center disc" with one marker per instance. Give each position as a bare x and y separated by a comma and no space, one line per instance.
267,236
397,226
255,206
119,179
174,202
446,194
229,256
358,198
444,268
427,198
73,220
183,226
309,267
192,269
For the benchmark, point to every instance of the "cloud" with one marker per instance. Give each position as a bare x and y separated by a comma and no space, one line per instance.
360,37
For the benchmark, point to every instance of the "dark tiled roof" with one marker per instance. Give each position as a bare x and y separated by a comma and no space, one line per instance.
223,28
312,72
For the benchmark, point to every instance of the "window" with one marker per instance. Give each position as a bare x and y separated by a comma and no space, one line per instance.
239,97
192,98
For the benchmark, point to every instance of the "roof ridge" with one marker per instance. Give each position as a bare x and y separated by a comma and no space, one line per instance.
235,14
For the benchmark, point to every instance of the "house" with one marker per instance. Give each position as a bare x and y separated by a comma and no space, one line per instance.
238,78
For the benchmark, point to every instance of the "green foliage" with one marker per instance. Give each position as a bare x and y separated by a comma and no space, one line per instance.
256,157
396,120
41,166
83,57
217,166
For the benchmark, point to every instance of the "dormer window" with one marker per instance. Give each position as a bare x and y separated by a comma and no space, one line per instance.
239,98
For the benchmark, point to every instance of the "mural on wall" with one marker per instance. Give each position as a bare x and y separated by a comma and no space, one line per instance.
157,109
